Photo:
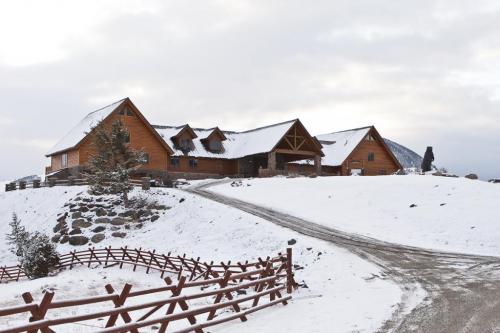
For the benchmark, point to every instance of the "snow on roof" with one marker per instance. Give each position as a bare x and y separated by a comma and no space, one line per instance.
337,146
237,144
78,132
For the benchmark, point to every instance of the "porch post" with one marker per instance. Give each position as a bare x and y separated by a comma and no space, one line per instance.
317,164
271,161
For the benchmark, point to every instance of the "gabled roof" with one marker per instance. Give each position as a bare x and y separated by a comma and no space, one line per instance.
337,146
78,133
236,145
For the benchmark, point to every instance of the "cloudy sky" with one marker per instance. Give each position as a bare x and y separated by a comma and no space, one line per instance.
424,72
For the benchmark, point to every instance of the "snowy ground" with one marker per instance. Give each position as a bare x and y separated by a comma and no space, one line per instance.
345,294
452,214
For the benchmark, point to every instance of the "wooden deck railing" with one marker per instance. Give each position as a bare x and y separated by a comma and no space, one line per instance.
192,269
238,294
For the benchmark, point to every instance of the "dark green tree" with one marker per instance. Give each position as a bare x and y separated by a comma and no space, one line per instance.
17,236
113,161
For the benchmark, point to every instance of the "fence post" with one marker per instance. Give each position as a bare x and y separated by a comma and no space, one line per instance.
7,187
289,271
13,186
71,180
22,184
52,181
36,183
146,183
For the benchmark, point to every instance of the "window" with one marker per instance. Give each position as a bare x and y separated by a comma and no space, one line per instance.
129,112
371,157
127,138
369,137
64,160
146,158
175,162
185,144
215,145
193,164
126,111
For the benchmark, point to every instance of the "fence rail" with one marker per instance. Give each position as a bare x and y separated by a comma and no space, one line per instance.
236,293
191,268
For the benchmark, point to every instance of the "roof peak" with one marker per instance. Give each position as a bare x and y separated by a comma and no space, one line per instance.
348,130
107,106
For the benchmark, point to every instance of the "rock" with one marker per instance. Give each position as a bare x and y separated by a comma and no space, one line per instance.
59,226
72,205
127,226
56,238
102,220
472,176
76,231
99,229
78,240
117,203
292,241
80,223
97,238
101,212
139,226
413,206
98,200
77,199
76,215
154,218
87,200
128,213
118,221
64,239
119,234
62,218
112,213
143,212
182,200
84,209
64,231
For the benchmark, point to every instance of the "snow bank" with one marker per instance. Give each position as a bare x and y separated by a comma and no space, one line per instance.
452,214
344,291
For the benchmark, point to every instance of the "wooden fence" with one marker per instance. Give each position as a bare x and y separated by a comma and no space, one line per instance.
237,294
144,182
192,269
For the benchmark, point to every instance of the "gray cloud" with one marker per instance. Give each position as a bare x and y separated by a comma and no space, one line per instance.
425,73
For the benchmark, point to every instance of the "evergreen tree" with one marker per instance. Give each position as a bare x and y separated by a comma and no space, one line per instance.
17,237
39,256
428,159
114,160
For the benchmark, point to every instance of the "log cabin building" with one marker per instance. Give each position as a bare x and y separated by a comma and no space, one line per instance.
195,153
360,151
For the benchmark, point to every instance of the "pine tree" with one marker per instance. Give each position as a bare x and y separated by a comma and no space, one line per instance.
428,159
39,256
114,160
17,237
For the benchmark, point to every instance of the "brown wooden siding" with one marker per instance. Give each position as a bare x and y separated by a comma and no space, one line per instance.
383,163
221,167
56,160
140,138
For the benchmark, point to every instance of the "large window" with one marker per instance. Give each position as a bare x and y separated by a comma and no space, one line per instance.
371,157
175,162
193,163
64,160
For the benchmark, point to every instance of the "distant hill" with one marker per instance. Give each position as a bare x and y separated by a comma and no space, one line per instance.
407,157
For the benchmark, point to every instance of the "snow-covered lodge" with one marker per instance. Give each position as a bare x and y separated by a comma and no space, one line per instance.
185,152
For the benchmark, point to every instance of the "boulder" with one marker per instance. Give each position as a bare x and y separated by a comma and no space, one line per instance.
76,231
101,212
292,241
76,215
56,238
112,213
59,226
78,240
97,238
118,221
64,239
127,213
154,218
119,234
472,176
102,220
99,229
84,209
80,223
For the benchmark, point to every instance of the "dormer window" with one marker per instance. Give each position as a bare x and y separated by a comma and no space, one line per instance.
185,144
215,145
